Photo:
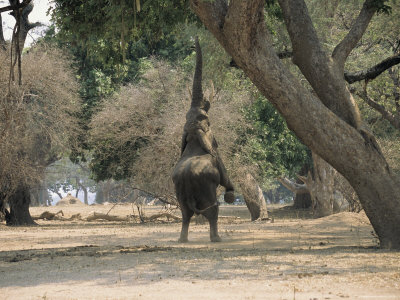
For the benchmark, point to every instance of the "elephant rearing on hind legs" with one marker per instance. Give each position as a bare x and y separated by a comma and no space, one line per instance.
200,170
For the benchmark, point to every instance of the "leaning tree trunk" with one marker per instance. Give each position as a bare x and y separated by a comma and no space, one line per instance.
324,121
254,197
19,203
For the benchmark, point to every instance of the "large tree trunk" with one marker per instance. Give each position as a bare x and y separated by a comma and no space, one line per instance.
254,197
321,186
326,122
2,40
19,203
302,200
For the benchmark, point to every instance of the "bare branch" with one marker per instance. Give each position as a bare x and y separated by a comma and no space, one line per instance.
343,49
315,64
373,72
367,74
34,25
393,119
15,7
294,187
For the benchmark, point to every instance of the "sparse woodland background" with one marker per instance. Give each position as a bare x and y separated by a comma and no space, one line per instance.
105,93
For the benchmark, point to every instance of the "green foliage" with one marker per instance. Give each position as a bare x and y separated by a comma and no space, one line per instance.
110,40
273,9
273,146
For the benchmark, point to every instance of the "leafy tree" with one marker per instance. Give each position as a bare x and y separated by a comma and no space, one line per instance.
36,127
273,146
328,121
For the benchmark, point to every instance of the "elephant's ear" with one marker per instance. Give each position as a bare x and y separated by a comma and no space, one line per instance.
206,105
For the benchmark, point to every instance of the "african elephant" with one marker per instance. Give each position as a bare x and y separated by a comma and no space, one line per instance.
200,170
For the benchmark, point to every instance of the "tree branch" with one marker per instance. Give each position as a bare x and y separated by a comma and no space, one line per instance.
315,65
215,18
373,72
393,119
307,49
34,25
294,187
343,49
15,7
351,77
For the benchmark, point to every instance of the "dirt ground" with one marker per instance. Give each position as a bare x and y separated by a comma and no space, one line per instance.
295,257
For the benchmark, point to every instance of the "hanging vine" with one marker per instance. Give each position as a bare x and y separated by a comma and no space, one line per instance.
15,50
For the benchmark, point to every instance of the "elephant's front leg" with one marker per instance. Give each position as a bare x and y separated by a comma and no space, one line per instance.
186,216
212,216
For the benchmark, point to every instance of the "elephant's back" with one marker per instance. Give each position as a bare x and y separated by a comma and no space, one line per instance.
196,168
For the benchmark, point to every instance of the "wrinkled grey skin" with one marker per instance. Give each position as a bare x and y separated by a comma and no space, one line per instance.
200,170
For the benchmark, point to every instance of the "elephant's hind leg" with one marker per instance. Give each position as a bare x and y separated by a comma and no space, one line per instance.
212,216
186,216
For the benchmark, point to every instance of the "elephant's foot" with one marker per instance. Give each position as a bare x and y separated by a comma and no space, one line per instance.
183,240
215,239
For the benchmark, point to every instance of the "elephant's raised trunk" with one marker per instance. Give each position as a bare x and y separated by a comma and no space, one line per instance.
197,95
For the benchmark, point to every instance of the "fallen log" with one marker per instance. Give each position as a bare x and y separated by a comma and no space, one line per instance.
163,215
75,217
46,215
100,216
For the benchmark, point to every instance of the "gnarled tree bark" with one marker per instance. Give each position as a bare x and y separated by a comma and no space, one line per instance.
328,122
19,203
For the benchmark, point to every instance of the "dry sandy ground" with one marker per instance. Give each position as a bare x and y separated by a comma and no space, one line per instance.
293,258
